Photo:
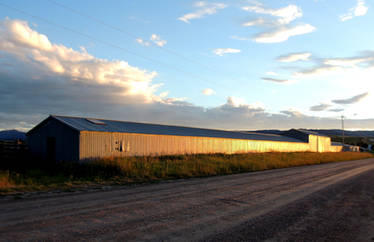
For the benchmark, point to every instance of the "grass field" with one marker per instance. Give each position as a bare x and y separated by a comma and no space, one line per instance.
34,176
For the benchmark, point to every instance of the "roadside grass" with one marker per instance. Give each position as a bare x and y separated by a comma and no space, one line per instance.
26,175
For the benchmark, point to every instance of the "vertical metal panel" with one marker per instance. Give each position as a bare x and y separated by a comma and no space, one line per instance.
104,144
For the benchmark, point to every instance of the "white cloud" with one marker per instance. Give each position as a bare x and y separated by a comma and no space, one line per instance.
157,40
238,37
283,33
346,62
359,10
203,8
276,80
164,94
258,21
279,23
271,73
142,42
320,71
19,40
238,103
208,91
38,77
351,100
351,66
284,15
292,113
294,57
320,107
222,51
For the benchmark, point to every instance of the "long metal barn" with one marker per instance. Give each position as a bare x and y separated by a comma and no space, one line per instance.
62,138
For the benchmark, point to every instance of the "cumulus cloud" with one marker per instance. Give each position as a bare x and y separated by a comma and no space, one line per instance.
222,51
237,104
19,40
294,57
203,8
208,91
320,107
157,40
283,33
359,10
274,79
38,78
351,100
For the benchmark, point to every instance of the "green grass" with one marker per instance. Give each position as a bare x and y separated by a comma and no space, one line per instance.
67,175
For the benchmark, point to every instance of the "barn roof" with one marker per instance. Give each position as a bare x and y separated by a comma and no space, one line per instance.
102,125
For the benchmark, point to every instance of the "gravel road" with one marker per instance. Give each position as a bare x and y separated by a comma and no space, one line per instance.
330,202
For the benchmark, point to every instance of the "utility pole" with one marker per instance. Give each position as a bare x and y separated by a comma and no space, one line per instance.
343,129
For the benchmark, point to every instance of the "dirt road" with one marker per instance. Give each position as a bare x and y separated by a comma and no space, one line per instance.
333,202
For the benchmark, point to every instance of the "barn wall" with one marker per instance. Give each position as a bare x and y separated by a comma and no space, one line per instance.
67,141
321,144
105,144
336,148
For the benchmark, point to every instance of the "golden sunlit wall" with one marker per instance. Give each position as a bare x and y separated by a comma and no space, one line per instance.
107,144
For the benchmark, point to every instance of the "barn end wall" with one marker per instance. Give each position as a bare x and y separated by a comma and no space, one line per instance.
104,144
320,144
67,141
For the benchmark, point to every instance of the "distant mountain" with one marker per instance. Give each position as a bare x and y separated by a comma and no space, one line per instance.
12,135
270,131
329,132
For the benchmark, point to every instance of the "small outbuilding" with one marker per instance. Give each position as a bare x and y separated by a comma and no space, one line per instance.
62,138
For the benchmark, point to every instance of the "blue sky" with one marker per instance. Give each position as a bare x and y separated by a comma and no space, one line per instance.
219,64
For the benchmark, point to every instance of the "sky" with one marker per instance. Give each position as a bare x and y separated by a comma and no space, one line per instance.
237,64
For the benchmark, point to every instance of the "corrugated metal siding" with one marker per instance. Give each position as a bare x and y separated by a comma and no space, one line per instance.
106,144
73,145
67,141
321,144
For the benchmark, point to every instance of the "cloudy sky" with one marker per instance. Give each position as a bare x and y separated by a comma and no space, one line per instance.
250,65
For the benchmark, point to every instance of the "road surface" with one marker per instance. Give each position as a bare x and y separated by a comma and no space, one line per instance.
330,202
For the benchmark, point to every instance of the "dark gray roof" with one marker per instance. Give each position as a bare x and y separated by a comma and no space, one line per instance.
83,124
336,144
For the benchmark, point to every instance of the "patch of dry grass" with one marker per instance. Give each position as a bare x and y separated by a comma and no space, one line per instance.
149,169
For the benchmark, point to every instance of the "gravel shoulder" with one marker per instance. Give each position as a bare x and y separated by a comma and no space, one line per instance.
333,202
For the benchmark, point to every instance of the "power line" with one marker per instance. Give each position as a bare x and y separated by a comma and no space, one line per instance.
342,117
104,42
120,30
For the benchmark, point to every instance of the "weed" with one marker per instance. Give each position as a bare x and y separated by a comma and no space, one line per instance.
127,170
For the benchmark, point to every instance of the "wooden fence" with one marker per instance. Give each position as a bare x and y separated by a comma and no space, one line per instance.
12,148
